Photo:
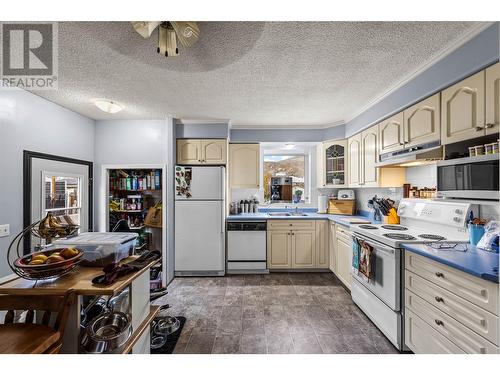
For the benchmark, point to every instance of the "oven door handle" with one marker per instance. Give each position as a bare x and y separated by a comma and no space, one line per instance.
376,245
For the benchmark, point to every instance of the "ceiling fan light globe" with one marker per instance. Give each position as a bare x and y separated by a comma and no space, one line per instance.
145,28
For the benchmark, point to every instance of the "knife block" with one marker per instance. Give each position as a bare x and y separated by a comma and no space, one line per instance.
342,207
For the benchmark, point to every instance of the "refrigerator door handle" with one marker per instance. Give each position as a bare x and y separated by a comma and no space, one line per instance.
223,218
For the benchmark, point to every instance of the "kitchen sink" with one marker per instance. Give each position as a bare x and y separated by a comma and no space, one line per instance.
287,214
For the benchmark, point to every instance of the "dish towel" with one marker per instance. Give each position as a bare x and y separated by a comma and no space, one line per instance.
365,260
356,248
183,181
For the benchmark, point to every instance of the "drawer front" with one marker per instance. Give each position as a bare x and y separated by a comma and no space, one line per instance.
291,224
478,291
423,339
454,331
479,320
344,234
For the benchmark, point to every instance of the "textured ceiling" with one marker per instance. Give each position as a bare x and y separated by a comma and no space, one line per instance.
253,73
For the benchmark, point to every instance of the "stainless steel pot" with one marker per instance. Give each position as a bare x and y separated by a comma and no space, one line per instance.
95,307
107,333
166,326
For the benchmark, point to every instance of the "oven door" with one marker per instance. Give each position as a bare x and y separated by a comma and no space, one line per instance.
386,282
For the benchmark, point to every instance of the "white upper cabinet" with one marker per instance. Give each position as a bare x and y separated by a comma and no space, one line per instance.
202,151
244,165
332,164
189,151
462,110
369,156
354,146
214,151
493,99
335,163
391,134
422,122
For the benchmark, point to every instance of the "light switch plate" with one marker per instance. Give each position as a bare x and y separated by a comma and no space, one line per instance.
4,230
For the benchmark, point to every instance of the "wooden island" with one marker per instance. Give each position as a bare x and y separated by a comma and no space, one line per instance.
80,280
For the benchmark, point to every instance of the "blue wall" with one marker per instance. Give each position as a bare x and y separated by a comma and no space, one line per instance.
476,54
208,130
287,135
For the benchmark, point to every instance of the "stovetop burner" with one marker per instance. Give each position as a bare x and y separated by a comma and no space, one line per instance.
394,227
435,237
399,236
366,226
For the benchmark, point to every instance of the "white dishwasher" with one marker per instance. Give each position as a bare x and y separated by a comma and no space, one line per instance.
246,247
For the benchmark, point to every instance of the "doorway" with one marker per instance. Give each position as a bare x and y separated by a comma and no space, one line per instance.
59,185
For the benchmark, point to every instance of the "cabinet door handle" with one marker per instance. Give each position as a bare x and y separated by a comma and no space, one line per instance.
293,234
490,125
439,299
401,143
439,322
439,274
479,128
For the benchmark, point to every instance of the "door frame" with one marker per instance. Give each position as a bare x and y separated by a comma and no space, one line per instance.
28,157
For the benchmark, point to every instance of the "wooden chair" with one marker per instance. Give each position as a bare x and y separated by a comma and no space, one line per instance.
32,338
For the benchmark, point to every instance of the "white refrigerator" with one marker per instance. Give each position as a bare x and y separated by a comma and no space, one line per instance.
200,222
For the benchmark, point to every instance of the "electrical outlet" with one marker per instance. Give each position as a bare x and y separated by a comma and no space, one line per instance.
4,230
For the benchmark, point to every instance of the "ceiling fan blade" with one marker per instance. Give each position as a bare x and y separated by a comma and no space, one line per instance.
145,28
187,32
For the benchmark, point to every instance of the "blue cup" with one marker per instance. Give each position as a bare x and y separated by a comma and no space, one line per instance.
475,233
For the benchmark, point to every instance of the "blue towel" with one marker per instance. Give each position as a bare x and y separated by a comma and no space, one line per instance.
356,248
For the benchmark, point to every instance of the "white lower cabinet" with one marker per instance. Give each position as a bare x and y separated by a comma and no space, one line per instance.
332,248
303,249
322,249
344,255
279,249
443,324
297,244
422,339
447,310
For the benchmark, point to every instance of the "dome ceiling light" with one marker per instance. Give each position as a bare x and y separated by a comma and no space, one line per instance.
107,106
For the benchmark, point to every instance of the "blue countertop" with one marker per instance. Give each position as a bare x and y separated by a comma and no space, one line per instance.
310,215
474,261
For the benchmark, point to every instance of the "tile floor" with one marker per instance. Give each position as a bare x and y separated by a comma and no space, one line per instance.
275,313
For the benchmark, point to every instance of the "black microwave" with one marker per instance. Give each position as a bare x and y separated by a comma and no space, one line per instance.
469,178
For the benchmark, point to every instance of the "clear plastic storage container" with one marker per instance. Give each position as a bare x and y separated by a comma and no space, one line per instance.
101,248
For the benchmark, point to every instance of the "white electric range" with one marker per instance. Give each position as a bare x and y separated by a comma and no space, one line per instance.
441,224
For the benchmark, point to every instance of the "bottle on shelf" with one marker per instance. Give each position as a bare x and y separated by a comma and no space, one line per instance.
157,180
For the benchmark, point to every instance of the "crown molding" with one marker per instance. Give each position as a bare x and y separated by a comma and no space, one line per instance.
453,46
287,127
201,121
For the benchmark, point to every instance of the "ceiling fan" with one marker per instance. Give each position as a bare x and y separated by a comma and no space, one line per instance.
187,32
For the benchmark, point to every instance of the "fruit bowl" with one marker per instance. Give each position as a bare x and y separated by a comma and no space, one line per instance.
48,263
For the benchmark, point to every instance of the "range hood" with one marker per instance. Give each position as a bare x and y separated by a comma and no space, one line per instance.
413,156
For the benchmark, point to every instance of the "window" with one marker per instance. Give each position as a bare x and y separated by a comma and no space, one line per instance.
61,197
284,178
